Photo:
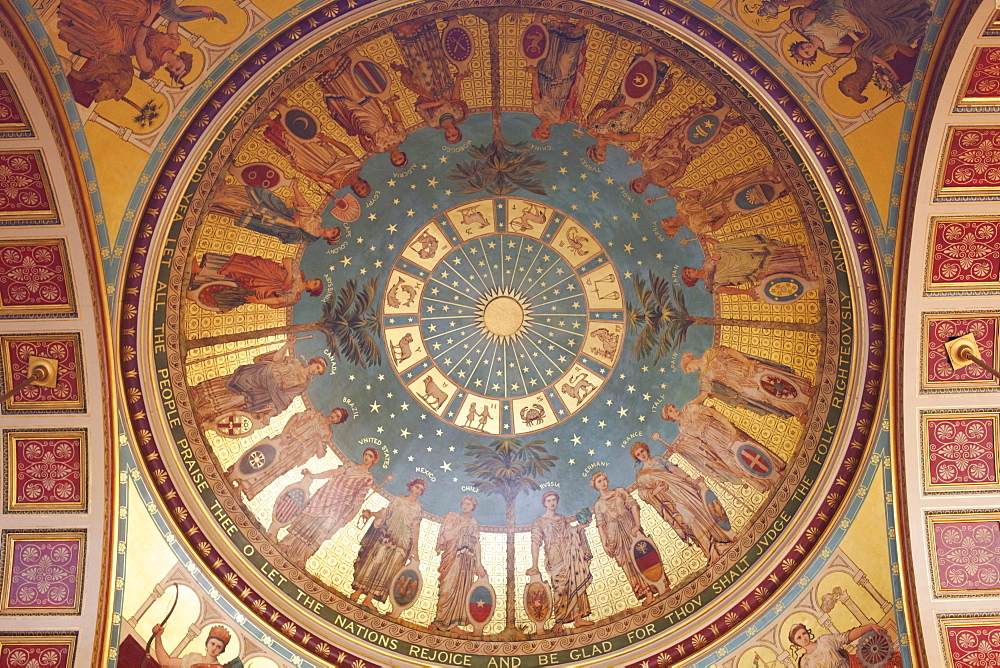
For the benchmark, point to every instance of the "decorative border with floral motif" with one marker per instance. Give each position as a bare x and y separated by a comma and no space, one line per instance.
48,470
993,29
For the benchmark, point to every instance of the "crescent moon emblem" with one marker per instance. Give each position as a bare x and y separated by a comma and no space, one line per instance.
640,80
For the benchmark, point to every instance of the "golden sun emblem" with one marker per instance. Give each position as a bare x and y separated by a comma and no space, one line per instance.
503,313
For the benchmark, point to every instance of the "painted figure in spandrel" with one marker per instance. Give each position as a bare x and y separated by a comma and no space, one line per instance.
614,120
260,210
567,561
680,500
461,567
218,640
110,33
557,79
388,544
747,260
306,435
330,508
617,517
759,385
225,282
296,134
360,114
426,71
881,37
666,154
827,651
711,443
264,388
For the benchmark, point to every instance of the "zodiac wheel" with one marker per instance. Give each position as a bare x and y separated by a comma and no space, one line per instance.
503,316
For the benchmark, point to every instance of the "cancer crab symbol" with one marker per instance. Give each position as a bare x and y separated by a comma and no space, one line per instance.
532,415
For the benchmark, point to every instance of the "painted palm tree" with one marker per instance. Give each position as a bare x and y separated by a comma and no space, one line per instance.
508,468
350,323
501,167
662,318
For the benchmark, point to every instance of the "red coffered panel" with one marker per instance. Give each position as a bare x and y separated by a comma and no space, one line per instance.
970,166
25,192
937,370
35,279
982,81
960,452
45,470
68,393
964,254
42,572
43,651
971,642
966,553
14,121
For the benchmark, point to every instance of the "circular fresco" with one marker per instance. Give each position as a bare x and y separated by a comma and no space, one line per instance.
495,331
503,298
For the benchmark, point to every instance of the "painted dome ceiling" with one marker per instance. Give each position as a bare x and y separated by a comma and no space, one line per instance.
465,330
